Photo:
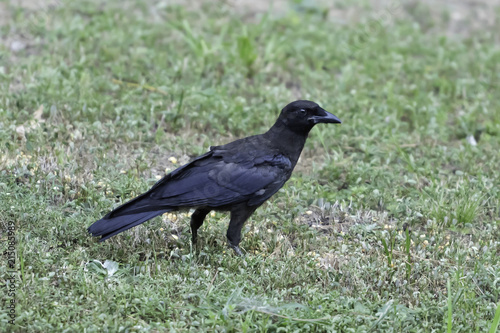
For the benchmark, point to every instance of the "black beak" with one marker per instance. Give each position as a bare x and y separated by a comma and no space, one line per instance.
326,117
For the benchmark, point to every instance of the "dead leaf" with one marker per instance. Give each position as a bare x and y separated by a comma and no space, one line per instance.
37,115
21,133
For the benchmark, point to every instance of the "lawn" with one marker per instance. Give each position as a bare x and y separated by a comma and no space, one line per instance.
390,222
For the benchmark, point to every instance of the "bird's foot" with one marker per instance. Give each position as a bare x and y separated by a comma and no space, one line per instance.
194,235
195,245
237,250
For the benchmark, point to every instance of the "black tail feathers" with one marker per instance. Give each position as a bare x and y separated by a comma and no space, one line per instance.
108,227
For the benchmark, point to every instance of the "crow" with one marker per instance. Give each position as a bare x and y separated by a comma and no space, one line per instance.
237,177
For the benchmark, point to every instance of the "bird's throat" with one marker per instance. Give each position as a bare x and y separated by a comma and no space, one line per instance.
287,140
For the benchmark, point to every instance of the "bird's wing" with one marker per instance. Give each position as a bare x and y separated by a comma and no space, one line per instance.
221,177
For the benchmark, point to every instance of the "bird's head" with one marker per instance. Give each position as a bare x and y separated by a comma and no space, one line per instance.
301,116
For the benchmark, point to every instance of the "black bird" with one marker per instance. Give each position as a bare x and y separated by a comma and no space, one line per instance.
237,177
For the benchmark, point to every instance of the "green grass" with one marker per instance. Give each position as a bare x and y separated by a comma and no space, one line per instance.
104,94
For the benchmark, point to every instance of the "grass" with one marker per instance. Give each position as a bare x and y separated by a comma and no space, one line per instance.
390,222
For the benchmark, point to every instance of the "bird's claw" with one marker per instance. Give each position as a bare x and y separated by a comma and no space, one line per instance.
237,250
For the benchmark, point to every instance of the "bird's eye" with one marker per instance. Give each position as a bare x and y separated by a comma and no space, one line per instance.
302,112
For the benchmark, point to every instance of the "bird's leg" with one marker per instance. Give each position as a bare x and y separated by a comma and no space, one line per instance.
196,222
239,214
